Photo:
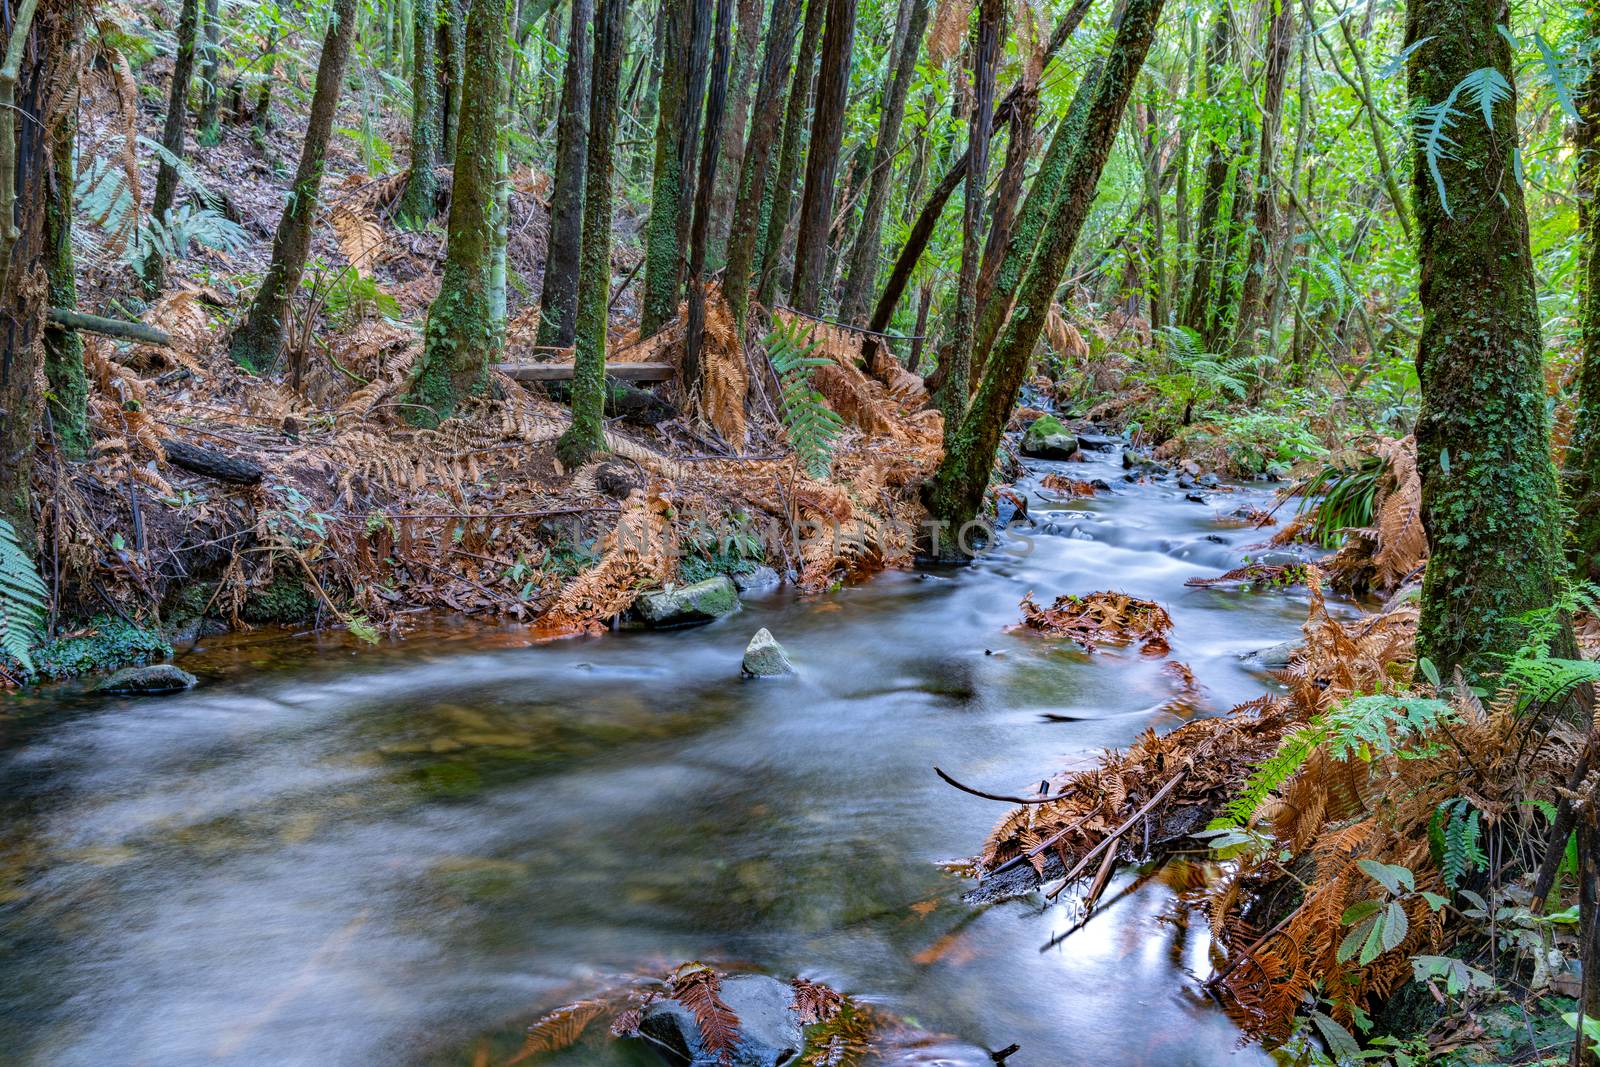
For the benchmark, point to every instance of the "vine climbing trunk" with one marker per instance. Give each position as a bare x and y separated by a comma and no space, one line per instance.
558,299
586,435
461,338
954,495
258,344
1483,444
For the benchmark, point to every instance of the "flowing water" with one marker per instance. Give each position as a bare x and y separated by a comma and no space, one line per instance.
330,855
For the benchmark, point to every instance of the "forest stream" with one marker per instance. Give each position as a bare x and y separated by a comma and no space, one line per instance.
327,854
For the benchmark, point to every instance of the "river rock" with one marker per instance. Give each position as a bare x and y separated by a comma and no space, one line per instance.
1046,438
146,681
689,605
1275,658
762,579
765,658
1096,442
769,1032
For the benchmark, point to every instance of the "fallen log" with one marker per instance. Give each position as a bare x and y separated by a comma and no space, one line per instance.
119,328
218,465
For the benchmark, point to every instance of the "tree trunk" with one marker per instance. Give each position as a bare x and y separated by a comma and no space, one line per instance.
741,84
461,338
822,161
955,494
756,164
63,349
172,137
258,344
1582,461
710,147
776,207
23,300
686,31
450,47
261,120
1210,243
558,300
1155,252
1264,213
416,205
1483,445
209,131
586,435
926,221
952,397
861,272
1008,193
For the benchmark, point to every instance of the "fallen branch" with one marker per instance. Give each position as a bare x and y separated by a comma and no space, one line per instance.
120,328
212,464
998,796
1111,838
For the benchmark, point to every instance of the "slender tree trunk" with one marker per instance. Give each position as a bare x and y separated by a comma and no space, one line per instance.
586,435
822,161
417,201
1209,238
955,493
461,338
1402,206
1008,194
258,344
1581,467
1155,250
756,164
952,396
741,86
861,274
261,121
1264,214
172,137
1483,444
209,131
781,200
450,48
63,349
686,32
558,300
699,230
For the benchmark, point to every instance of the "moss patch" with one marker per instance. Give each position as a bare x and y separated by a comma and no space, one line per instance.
283,602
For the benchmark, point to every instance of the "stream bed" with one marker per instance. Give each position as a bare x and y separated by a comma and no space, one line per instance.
330,855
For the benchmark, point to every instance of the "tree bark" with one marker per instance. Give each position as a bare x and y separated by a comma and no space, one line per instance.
822,161
558,299
699,230
417,201
1264,213
1581,465
586,435
209,130
776,207
1483,445
63,349
741,86
258,344
1210,240
861,272
756,165
461,338
172,137
450,54
955,493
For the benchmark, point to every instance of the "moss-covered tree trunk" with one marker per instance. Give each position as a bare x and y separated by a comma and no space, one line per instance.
586,435
755,168
861,270
209,130
957,356
172,137
1209,229
258,344
954,495
23,301
1581,465
686,34
822,160
450,54
1483,443
780,199
63,349
1263,231
461,338
558,300
416,204
1007,197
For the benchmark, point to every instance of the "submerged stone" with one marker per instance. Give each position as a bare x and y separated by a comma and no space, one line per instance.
689,605
146,681
765,658
769,1031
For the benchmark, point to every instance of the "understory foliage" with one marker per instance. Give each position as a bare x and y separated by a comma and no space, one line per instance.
23,599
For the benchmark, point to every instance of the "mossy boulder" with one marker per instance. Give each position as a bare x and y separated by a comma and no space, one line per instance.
1046,438
689,605
146,681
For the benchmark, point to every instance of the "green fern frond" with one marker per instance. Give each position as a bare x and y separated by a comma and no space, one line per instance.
1487,87
23,598
184,226
812,425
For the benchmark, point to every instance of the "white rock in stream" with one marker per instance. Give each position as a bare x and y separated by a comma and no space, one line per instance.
765,658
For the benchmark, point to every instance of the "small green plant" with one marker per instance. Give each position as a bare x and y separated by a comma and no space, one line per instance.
1343,497
23,598
813,426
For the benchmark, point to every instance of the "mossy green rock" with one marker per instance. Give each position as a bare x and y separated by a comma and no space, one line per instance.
146,681
689,605
1046,438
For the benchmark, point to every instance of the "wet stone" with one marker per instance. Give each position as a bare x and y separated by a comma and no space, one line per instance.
769,1031
146,681
689,605
765,658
